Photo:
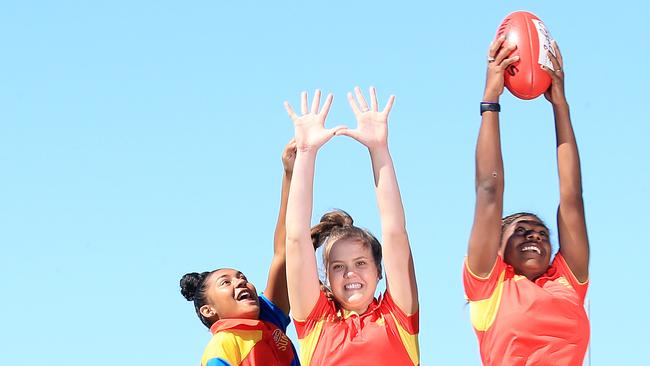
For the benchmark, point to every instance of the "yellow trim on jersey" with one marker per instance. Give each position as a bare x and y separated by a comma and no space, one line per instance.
410,342
483,312
231,346
469,270
308,343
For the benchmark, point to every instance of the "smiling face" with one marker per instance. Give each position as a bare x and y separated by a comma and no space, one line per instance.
230,295
352,274
526,247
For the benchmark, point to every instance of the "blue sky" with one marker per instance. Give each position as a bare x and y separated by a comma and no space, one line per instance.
142,140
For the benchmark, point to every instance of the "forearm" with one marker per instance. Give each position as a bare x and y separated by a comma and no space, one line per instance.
568,159
302,272
280,236
572,228
398,259
389,200
489,162
486,229
300,201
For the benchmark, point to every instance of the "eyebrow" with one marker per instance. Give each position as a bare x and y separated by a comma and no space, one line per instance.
226,275
353,259
532,222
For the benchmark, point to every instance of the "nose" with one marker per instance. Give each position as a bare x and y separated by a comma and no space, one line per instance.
533,235
348,274
240,282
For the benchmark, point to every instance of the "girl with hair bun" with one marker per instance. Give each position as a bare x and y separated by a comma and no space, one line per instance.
525,308
248,329
349,326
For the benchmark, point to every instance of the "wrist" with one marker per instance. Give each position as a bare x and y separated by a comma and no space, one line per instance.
306,150
378,150
489,107
563,104
491,96
288,173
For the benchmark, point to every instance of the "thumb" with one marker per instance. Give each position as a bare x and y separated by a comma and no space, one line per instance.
348,132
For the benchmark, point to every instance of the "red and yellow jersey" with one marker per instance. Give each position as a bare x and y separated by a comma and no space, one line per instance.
251,342
521,322
383,335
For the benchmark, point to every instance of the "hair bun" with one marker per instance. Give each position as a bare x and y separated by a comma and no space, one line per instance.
337,218
190,284
328,222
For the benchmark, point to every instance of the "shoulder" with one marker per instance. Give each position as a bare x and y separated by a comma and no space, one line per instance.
269,312
408,322
222,349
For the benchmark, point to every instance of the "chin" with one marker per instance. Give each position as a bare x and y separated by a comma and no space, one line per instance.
252,314
357,302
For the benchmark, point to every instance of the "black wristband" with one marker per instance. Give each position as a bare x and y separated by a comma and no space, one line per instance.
490,107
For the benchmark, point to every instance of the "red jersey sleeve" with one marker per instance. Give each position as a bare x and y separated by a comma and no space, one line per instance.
323,308
480,288
563,269
411,323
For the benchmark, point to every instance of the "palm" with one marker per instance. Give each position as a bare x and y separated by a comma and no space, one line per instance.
373,128
310,131
372,125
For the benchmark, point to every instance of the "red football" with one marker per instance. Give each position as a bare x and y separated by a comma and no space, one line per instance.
525,78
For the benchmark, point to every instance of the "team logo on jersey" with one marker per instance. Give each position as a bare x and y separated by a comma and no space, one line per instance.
281,340
564,281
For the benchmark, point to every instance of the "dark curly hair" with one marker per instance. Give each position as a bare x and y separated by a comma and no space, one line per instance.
506,221
193,287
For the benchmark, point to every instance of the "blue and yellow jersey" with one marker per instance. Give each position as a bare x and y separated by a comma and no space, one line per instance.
382,335
251,342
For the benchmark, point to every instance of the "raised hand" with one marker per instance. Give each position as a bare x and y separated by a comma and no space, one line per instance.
498,62
289,156
310,131
555,92
372,125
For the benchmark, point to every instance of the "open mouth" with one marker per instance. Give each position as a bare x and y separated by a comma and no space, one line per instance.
244,295
531,248
353,286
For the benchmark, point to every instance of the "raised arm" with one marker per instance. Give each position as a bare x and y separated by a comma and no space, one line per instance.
276,286
372,131
572,229
302,271
485,237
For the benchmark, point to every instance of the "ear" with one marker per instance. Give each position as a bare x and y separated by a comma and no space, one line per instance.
208,311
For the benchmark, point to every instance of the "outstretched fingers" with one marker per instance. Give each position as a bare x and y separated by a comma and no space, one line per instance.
303,103
362,101
373,99
327,105
315,102
353,104
292,114
389,105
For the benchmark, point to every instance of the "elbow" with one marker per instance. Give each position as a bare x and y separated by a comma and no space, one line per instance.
571,199
394,233
292,243
489,188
